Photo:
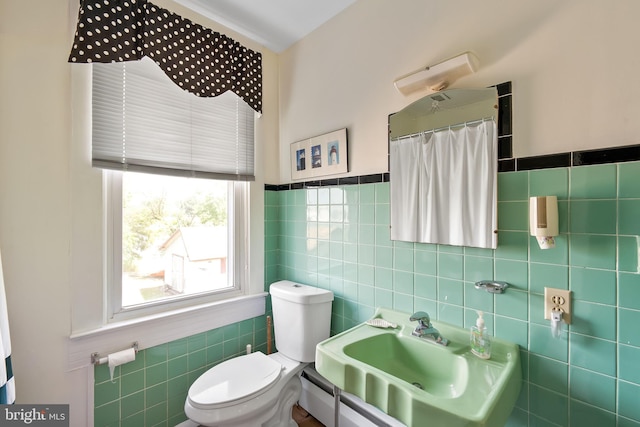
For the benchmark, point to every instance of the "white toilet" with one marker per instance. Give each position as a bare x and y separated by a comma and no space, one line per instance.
259,390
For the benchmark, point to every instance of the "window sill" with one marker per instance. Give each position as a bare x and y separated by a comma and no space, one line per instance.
162,328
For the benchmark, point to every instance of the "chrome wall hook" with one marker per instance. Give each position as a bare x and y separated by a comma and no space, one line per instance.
491,286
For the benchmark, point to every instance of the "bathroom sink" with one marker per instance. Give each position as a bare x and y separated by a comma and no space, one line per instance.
440,376
418,381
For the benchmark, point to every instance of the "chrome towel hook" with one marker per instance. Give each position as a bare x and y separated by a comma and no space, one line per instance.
494,287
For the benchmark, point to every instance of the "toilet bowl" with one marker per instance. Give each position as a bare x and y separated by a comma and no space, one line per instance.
258,390
249,391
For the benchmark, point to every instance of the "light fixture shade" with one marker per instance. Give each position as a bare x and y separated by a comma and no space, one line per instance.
543,220
440,76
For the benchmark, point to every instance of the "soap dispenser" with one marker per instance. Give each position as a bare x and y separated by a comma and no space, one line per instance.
480,339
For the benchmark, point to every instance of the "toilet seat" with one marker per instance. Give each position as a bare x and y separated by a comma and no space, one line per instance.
234,381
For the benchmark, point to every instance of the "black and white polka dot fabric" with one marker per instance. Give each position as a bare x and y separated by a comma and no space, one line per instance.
199,60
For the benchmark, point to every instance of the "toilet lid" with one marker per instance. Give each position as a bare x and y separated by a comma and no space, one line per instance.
234,379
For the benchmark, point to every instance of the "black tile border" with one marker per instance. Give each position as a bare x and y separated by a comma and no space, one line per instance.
506,165
349,180
505,147
561,160
505,114
600,156
623,154
272,187
627,153
504,88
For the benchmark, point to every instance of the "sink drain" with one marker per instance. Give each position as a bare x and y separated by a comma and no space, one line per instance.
417,384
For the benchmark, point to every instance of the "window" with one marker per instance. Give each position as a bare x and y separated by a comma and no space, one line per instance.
177,196
173,240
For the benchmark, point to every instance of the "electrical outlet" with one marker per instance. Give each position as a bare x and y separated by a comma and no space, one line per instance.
557,300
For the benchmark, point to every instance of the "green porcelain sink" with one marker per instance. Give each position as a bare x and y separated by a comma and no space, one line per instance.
418,381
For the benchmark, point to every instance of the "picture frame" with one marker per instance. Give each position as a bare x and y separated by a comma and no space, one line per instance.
322,155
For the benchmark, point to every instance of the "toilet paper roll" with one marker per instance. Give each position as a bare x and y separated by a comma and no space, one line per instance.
120,358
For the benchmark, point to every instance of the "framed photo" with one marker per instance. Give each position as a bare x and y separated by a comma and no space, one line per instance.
321,155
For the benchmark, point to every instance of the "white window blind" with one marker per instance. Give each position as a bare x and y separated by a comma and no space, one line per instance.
144,122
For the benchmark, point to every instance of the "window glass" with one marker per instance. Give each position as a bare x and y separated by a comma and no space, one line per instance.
175,237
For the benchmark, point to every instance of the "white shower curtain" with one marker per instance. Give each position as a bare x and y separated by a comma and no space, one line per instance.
7,383
404,179
443,186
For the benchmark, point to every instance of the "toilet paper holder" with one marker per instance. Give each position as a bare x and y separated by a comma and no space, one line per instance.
97,360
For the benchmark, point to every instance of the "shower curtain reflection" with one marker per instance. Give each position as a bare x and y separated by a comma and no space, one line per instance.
443,186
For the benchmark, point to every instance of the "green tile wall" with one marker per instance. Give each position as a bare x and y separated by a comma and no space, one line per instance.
151,391
337,238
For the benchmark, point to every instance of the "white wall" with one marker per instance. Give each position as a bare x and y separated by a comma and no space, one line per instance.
572,63
34,194
50,197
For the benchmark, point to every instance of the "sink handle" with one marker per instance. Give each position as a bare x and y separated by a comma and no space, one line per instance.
422,317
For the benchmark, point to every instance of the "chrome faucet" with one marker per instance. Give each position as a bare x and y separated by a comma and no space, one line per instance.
425,329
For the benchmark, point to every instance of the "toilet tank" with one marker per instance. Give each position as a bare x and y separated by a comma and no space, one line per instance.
301,318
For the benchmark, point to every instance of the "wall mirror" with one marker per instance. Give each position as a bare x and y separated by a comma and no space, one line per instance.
443,169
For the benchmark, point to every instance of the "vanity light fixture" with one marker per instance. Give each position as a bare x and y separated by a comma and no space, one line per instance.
439,76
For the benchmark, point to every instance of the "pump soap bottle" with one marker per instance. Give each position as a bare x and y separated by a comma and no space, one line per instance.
480,339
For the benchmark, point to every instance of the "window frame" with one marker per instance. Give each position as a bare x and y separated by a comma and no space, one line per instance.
89,331
238,211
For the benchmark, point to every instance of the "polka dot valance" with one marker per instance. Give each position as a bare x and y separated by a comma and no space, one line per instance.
199,60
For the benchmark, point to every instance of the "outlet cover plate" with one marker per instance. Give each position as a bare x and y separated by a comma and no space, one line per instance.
557,299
